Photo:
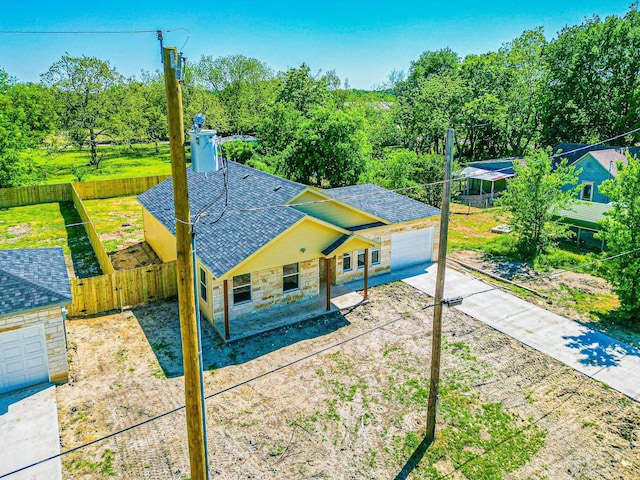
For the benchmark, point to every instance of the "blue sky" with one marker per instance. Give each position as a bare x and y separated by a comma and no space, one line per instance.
362,41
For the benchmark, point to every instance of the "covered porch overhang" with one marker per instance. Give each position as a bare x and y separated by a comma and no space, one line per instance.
283,315
331,296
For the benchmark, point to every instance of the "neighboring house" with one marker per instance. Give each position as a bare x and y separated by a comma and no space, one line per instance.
583,218
276,241
597,166
486,180
35,289
574,151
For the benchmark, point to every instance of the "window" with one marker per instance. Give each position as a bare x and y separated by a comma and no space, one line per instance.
375,253
203,285
346,262
360,259
290,277
242,288
587,191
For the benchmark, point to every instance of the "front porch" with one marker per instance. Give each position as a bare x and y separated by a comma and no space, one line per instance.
341,297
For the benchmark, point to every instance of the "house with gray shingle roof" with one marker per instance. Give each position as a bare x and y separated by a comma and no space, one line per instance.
35,291
262,241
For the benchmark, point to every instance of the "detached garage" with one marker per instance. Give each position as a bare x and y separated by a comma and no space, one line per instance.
35,289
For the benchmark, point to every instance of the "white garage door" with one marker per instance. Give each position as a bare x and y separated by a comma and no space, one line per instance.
409,248
23,358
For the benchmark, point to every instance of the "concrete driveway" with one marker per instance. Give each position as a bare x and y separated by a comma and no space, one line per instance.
587,351
29,433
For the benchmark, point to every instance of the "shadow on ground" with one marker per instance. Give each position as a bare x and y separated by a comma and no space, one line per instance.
85,263
160,324
610,323
598,349
414,460
9,398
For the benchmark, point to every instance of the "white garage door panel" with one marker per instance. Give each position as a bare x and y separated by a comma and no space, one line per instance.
409,248
23,358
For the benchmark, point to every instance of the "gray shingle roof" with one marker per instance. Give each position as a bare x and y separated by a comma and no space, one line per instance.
384,204
242,229
32,278
223,242
608,159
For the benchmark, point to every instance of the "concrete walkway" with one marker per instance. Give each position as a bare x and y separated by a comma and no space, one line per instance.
29,433
588,351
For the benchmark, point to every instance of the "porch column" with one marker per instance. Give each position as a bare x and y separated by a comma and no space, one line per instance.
225,293
328,269
366,274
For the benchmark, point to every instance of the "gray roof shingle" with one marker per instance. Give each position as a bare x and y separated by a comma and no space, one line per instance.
244,227
224,241
382,203
32,278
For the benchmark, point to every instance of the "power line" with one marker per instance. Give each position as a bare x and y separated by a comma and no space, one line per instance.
83,32
220,392
289,364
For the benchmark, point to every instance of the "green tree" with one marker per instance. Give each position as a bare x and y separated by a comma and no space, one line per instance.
620,230
238,151
533,197
592,90
299,89
330,149
15,169
39,106
86,86
241,83
405,168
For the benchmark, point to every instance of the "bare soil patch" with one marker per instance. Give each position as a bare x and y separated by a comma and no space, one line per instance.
132,254
350,412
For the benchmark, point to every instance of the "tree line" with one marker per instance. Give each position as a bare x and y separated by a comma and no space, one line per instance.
581,86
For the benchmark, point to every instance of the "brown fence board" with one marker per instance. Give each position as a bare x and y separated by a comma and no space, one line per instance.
117,187
98,248
34,194
123,288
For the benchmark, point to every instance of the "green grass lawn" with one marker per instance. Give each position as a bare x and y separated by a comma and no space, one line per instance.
67,165
117,221
50,225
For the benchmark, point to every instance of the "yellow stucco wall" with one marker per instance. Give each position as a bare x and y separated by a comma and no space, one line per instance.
332,211
308,235
158,237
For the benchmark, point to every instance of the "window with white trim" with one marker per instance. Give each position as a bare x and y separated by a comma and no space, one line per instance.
203,285
290,277
587,191
360,259
346,262
375,253
242,288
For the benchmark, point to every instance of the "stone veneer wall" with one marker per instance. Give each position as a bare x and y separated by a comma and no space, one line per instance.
384,234
266,291
55,337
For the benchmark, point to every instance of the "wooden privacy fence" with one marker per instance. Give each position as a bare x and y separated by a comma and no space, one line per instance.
117,188
19,196
124,288
98,248
115,289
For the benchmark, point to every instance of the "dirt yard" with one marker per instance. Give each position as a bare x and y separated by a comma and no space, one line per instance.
354,411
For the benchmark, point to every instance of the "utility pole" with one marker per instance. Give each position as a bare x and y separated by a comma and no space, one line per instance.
436,336
185,275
